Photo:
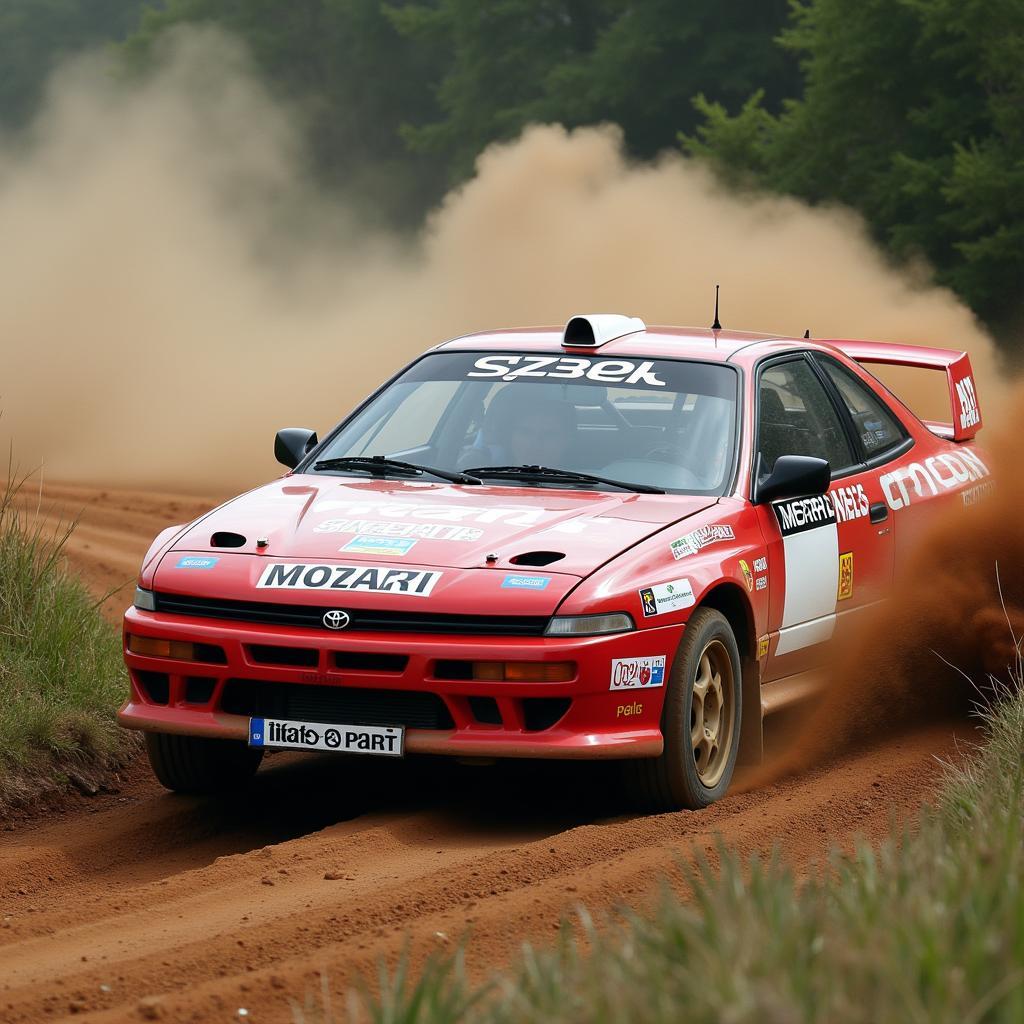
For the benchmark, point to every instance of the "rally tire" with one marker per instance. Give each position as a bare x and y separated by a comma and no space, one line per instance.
673,781
193,764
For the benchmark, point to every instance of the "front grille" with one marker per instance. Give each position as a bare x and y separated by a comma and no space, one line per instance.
362,619
335,705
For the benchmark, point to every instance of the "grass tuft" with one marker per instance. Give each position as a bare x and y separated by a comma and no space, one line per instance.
61,675
928,927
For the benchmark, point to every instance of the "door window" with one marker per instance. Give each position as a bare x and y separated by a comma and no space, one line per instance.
796,417
877,428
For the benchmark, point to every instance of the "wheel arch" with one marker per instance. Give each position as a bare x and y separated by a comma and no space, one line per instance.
731,601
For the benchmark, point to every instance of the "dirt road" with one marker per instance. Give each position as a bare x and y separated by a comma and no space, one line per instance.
147,905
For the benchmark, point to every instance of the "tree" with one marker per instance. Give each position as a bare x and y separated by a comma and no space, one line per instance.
637,63
35,35
913,113
349,75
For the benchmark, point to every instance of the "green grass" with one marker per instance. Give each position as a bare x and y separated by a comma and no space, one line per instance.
61,674
927,928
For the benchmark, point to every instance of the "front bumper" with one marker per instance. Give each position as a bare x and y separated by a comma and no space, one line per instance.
580,718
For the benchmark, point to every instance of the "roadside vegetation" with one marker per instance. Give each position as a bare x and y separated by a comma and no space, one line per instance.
927,928
61,675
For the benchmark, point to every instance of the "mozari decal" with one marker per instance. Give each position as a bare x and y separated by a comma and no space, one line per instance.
360,578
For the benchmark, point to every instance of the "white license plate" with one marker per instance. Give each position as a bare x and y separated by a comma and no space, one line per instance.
387,741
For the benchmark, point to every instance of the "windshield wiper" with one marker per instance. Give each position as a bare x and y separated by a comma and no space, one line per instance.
545,473
381,465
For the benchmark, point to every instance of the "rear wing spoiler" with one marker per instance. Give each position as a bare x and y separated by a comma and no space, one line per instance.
963,396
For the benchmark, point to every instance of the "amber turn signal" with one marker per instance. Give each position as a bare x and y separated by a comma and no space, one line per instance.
524,671
161,648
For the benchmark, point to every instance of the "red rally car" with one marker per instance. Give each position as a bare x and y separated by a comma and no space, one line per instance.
611,541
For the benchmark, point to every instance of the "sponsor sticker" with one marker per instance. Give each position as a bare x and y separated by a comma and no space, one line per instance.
845,576
748,576
796,515
400,530
691,543
513,515
940,473
526,582
629,710
638,673
980,492
761,564
359,578
761,583
342,739
196,562
667,597
366,544
762,647
969,414
602,371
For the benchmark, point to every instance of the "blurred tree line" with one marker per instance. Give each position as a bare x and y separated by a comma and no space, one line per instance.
910,111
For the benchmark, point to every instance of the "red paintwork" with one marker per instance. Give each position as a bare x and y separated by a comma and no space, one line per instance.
615,543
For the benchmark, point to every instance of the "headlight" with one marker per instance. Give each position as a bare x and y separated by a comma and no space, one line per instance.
145,599
589,625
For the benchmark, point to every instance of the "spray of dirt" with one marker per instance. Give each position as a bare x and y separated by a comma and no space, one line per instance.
950,637
173,289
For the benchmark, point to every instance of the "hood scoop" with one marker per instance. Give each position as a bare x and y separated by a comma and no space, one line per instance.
227,539
537,558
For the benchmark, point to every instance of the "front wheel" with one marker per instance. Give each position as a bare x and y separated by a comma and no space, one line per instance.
700,721
194,764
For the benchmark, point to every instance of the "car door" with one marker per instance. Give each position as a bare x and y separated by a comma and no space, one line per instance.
827,559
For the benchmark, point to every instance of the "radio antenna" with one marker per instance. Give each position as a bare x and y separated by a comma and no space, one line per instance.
716,326
807,333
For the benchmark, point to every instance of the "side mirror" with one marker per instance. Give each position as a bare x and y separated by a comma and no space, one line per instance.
794,476
293,444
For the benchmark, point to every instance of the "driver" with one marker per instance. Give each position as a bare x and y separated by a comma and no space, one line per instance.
540,436
521,431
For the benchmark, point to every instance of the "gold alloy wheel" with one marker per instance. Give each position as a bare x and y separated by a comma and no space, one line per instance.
711,713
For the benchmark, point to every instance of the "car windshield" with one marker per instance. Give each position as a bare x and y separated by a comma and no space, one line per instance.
663,423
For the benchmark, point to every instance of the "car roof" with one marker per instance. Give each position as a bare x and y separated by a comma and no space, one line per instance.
652,343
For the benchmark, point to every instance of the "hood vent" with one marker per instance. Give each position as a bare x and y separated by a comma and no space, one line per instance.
226,539
537,558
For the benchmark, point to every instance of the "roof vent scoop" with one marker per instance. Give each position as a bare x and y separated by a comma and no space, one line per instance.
592,329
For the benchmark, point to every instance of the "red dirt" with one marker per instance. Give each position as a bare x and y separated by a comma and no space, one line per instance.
202,907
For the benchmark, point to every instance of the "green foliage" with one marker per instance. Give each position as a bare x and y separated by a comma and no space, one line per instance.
927,928
349,75
35,35
586,61
912,113
61,674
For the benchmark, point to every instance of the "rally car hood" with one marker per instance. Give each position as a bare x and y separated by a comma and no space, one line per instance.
401,523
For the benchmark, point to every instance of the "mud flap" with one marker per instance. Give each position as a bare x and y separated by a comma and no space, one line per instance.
751,750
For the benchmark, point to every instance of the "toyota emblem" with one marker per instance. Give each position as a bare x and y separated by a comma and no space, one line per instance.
336,619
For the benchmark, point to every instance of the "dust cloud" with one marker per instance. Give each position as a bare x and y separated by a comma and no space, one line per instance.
950,638
173,288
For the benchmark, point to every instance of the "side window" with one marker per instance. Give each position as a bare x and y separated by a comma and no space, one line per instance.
877,427
796,417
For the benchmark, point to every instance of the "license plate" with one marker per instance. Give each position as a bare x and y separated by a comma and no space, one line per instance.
386,741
